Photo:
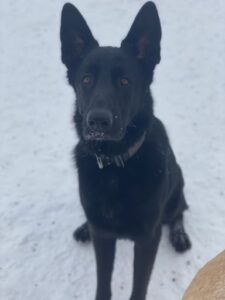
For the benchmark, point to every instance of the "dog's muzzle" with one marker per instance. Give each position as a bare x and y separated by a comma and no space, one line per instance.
99,123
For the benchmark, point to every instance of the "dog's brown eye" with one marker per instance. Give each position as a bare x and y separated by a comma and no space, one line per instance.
124,81
87,80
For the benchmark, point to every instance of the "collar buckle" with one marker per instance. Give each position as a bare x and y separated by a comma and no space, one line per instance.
119,161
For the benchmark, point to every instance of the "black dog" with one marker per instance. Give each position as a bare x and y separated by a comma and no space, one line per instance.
130,183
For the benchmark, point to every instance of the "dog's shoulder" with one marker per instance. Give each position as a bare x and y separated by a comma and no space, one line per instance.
158,132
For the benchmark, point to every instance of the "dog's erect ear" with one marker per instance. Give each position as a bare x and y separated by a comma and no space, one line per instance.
143,39
76,37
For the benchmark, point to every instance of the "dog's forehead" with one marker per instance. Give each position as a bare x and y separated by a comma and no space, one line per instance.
107,57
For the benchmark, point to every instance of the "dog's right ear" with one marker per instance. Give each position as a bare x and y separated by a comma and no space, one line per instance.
76,37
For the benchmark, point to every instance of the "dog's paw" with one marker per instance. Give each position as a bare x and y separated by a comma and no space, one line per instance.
81,234
180,241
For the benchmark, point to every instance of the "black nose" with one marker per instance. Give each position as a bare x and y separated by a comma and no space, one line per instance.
99,120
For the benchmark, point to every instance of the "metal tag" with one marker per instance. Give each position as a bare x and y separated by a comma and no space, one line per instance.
99,162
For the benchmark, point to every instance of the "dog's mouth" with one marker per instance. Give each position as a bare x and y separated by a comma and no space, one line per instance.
102,136
96,136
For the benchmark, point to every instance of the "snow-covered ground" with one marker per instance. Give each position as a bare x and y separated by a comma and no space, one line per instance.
39,203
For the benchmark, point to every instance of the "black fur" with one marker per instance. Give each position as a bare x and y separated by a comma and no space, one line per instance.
114,108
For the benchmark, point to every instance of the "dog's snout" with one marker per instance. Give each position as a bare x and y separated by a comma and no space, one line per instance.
100,120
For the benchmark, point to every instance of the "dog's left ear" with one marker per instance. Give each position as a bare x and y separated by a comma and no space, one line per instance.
143,39
76,37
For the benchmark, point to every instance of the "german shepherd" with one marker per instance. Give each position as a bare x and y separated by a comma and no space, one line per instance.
130,183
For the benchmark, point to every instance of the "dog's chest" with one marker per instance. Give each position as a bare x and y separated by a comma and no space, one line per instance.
113,204
119,201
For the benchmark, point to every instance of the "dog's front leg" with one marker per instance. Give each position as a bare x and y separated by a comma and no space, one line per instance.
104,253
144,257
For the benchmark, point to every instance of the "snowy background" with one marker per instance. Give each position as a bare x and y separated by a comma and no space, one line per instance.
39,203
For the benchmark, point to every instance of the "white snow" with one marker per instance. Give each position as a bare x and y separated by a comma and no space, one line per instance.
38,187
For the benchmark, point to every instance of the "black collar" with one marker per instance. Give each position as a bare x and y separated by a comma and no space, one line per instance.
120,159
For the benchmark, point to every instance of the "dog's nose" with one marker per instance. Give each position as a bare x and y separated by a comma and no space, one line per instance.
99,120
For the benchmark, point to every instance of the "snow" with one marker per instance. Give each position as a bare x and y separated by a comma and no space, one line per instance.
39,193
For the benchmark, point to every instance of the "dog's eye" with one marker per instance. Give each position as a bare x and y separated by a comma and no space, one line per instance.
87,79
124,81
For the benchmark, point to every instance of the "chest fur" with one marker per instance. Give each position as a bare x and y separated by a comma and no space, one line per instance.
123,201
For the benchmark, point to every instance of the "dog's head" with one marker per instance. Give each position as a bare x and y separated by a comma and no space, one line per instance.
111,84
